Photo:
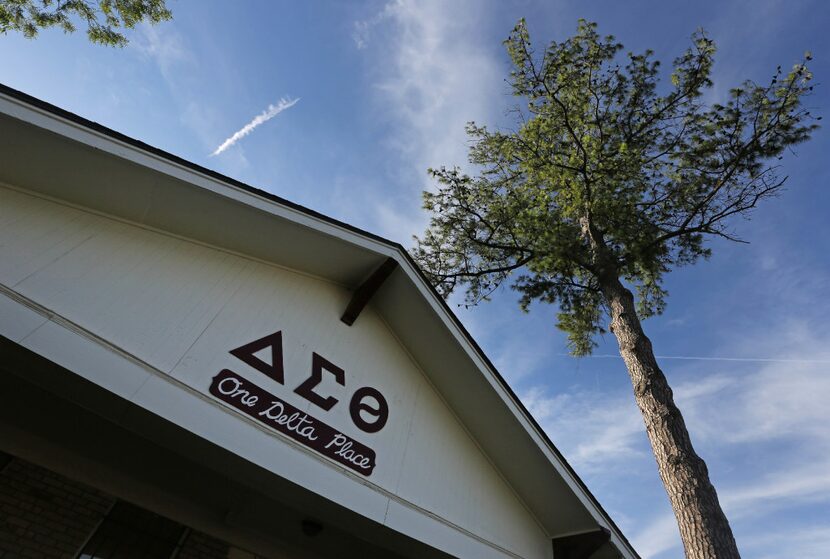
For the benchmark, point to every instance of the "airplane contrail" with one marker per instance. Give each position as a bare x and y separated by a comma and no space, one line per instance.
267,114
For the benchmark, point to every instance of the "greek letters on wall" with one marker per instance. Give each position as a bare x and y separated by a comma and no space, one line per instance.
367,407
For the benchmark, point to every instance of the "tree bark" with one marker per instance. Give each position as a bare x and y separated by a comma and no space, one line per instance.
704,528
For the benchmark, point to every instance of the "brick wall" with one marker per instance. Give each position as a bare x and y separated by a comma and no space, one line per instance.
202,546
46,516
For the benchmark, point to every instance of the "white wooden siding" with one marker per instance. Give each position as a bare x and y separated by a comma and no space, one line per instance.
180,307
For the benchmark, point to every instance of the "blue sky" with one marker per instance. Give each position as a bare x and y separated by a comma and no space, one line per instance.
384,90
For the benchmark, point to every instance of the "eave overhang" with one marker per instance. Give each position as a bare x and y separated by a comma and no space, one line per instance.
85,164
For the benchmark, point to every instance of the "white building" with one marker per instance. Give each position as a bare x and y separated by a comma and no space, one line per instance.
192,367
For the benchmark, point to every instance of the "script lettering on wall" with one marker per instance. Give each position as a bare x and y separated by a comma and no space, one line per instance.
288,420
368,409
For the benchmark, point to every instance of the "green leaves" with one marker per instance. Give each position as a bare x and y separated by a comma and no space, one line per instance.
604,177
103,17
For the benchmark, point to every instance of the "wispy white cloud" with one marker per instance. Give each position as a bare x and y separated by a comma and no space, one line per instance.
265,116
363,28
657,536
773,410
809,542
517,356
164,46
596,431
746,506
709,358
433,71
797,485
179,65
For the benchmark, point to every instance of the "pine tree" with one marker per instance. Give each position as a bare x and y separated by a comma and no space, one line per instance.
103,18
607,184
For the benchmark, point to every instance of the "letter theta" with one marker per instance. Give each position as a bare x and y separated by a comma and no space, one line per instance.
380,411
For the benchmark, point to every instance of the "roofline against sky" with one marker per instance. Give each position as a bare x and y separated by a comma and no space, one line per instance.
409,264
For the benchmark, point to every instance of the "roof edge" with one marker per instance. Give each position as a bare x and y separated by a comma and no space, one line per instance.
408,263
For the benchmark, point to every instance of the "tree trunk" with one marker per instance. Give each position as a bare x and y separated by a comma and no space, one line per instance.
704,528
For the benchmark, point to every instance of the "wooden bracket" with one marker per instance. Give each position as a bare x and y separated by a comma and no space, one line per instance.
580,546
362,295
